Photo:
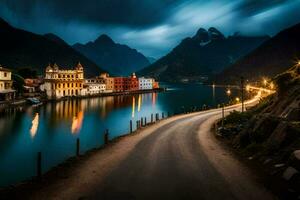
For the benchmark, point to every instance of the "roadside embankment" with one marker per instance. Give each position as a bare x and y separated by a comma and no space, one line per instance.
268,135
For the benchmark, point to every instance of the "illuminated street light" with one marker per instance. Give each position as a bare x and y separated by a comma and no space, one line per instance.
265,82
248,88
228,92
298,62
271,86
237,99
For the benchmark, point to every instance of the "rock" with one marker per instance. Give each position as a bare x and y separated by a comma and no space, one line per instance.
267,161
289,173
294,160
279,165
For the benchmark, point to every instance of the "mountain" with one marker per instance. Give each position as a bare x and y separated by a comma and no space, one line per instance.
116,58
272,57
20,49
151,59
207,53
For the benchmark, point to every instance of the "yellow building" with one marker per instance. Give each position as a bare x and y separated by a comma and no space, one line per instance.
64,83
109,81
6,91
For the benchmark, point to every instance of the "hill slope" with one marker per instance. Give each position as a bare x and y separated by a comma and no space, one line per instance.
21,48
116,58
272,57
205,54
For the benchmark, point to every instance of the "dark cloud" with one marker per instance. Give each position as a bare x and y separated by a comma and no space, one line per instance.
151,26
128,12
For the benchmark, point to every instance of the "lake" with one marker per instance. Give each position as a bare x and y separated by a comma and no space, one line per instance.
54,127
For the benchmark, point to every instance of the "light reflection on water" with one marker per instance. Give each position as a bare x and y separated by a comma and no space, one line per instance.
54,127
35,125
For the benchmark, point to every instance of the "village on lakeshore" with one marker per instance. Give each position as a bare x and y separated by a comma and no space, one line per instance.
59,83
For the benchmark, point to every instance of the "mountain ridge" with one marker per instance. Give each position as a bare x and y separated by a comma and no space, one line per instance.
23,49
118,59
272,57
205,54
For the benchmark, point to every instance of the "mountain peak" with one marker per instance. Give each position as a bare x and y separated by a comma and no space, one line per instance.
104,39
215,34
201,35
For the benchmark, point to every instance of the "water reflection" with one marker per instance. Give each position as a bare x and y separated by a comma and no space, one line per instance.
154,96
57,123
34,126
139,103
133,106
77,122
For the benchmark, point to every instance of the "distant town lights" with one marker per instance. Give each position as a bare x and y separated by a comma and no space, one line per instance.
237,99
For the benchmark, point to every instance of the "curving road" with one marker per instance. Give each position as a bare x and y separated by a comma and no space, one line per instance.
174,162
177,158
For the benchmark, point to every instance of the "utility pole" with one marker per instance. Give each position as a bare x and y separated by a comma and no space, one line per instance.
223,114
242,90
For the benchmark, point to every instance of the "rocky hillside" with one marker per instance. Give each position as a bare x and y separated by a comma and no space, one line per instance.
116,58
23,49
205,54
272,57
270,132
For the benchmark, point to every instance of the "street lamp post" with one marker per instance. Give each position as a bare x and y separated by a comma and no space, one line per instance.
242,88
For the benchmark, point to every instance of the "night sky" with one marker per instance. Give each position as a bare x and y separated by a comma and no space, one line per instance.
151,26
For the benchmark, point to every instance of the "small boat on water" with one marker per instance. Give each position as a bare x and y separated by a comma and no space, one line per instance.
34,101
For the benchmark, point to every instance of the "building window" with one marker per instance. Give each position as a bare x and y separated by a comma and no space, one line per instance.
5,74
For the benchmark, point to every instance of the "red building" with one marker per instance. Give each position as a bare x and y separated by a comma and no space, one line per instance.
118,84
126,83
131,83
155,85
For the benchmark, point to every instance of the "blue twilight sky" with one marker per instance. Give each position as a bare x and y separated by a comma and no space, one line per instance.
153,27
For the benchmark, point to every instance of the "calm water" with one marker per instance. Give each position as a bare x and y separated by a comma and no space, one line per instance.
54,127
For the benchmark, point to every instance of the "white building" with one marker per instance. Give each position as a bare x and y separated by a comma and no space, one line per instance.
95,86
6,91
63,83
146,83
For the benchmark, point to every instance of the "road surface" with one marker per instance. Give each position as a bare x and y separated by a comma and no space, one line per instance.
177,158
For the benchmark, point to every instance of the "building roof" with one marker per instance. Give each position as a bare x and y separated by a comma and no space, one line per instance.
4,69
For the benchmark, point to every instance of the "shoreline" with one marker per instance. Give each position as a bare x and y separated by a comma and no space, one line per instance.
23,102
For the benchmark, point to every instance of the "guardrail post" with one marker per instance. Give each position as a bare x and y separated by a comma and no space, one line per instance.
130,126
39,165
162,115
77,147
145,121
106,138
223,114
151,117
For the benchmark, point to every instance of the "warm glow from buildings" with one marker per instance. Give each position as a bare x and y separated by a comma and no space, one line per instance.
35,125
